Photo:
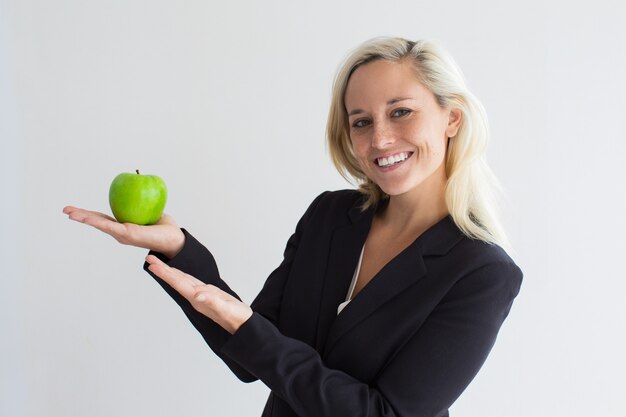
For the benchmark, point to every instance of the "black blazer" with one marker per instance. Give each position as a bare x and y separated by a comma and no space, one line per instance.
407,345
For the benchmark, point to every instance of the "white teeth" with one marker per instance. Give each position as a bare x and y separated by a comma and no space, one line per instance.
385,162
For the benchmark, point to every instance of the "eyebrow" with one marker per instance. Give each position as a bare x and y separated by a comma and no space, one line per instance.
389,103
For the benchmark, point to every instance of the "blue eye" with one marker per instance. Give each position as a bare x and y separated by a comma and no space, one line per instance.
401,112
360,123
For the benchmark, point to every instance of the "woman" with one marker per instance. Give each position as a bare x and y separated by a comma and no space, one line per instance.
389,298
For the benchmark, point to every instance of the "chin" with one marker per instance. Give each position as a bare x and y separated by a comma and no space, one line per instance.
395,190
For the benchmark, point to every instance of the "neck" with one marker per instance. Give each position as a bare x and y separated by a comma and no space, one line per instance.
415,211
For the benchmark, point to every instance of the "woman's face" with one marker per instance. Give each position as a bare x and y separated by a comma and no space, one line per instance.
398,131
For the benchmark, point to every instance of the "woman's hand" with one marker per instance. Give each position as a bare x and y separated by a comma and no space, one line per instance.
219,306
165,236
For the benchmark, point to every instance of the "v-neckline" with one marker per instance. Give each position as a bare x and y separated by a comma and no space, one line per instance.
355,277
401,272
379,207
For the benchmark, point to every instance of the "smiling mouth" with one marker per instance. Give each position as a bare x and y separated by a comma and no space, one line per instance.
393,159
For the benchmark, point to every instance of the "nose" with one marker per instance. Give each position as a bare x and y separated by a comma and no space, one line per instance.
382,136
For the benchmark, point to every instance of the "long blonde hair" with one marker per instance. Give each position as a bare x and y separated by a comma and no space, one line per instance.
471,189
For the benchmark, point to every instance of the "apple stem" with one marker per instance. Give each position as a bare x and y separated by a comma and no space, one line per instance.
137,171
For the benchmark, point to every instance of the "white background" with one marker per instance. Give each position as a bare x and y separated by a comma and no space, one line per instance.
227,102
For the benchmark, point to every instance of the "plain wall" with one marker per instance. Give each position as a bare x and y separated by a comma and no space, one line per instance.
227,102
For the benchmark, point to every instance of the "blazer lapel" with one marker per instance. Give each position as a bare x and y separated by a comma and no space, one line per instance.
401,272
404,270
345,249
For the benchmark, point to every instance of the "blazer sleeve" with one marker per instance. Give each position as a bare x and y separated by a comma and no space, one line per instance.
195,259
424,377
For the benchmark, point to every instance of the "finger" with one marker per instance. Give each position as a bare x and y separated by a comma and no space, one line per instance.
81,215
74,212
209,293
106,216
221,307
194,281
70,209
174,277
151,259
105,224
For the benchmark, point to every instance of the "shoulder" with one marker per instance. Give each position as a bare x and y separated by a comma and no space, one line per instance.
482,259
346,197
462,260
328,210
334,203
481,252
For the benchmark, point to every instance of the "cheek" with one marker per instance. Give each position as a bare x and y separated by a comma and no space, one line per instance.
430,144
359,147
358,154
430,151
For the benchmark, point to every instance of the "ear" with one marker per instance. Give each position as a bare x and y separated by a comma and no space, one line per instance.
455,116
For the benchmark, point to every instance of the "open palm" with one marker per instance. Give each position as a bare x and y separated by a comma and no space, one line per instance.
221,307
165,236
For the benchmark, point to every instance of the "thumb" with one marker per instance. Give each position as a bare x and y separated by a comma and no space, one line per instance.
166,219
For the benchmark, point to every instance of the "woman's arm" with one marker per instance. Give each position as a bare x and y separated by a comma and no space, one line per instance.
424,377
194,259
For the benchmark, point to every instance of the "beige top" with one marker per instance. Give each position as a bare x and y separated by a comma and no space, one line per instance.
352,284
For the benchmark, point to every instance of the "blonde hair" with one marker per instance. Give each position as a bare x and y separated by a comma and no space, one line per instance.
471,187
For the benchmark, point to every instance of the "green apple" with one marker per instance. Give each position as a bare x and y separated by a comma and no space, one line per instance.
137,198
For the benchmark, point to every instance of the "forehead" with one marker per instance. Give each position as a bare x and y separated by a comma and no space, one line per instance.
381,80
